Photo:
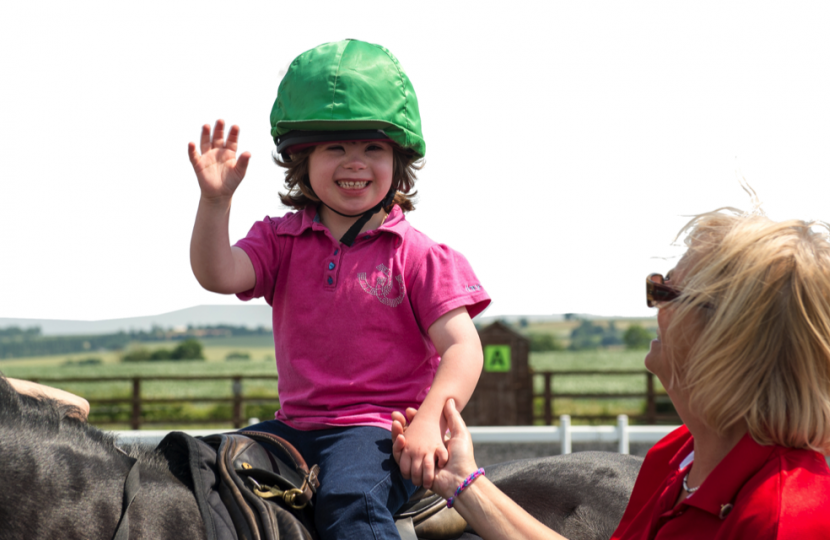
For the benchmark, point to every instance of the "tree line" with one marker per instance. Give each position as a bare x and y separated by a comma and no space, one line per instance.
16,342
590,336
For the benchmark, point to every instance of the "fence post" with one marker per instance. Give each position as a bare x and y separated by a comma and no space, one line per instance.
651,407
622,433
565,433
548,399
237,402
135,421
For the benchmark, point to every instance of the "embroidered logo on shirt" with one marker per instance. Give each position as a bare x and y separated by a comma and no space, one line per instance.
383,286
473,288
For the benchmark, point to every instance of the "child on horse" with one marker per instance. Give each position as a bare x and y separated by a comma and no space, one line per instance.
369,315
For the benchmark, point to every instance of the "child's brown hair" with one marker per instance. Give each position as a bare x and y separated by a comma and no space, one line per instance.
405,164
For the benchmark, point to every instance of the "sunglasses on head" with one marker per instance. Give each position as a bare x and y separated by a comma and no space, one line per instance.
657,291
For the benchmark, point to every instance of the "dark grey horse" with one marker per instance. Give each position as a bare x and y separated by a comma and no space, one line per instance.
62,478
581,496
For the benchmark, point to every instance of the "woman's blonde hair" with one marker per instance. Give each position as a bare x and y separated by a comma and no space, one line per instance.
760,290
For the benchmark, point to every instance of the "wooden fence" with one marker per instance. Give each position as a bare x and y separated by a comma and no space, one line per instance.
651,396
136,402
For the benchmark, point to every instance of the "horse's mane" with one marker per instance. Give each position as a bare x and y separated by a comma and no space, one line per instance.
62,477
43,420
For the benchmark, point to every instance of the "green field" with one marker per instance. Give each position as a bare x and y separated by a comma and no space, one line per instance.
260,349
599,360
261,363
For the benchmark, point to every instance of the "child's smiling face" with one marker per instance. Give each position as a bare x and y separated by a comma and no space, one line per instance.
351,176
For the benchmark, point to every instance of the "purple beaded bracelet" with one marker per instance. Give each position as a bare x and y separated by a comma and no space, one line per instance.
464,485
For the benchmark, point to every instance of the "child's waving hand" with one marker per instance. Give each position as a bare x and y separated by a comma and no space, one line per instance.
218,266
218,169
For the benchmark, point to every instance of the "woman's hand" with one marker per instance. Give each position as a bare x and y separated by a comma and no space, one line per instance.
35,390
218,169
460,463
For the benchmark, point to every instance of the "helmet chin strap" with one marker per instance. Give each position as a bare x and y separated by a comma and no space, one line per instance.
354,230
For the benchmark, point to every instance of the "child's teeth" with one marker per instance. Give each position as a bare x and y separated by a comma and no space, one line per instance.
352,185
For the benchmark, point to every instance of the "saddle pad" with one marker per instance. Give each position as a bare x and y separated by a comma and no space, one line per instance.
220,466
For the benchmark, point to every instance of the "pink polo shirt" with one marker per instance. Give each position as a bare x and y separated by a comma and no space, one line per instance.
758,492
350,323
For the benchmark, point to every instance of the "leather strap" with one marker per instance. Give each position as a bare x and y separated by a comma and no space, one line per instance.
406,529
354,230
132,485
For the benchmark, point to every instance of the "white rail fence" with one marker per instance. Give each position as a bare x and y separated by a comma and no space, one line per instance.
565,434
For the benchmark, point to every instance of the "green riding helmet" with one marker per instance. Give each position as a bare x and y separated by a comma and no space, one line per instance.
346,90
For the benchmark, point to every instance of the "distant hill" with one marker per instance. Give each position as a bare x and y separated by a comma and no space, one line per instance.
249,315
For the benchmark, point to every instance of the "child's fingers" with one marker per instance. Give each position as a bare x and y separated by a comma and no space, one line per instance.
410,413
191,153
416,472
399,418
218,134
405,464
204,140
428,471
398,444
242,164
397,428
233,138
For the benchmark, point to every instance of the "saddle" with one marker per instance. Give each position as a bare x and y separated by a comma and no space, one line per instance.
256,486
245,492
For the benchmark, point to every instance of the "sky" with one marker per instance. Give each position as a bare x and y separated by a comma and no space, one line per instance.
567,142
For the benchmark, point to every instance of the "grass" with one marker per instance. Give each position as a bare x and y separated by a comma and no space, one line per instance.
587,360
261,352
262,363
598,360
154,389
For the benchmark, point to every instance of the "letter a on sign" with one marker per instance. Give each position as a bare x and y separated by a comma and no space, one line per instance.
497,358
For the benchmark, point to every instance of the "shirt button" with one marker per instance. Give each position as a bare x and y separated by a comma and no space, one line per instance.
330,281
331,266
336,251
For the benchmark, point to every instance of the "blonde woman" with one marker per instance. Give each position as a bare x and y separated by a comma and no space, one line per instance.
743,351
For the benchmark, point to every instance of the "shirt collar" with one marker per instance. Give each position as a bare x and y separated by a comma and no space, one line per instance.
729,476
395,223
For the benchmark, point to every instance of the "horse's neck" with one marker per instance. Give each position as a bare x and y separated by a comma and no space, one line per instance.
87,497
166,508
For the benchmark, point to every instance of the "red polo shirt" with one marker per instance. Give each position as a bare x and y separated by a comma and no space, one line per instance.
775,492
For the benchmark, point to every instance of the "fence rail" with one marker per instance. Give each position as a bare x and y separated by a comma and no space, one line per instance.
650,417
565,434
136,401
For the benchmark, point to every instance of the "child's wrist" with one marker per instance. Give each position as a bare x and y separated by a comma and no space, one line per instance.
218,200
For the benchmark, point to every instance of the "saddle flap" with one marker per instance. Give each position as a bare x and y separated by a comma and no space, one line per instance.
431,518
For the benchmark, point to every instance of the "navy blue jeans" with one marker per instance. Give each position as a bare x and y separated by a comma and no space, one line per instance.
361,486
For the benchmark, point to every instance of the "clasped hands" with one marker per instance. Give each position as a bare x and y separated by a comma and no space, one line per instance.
445,469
